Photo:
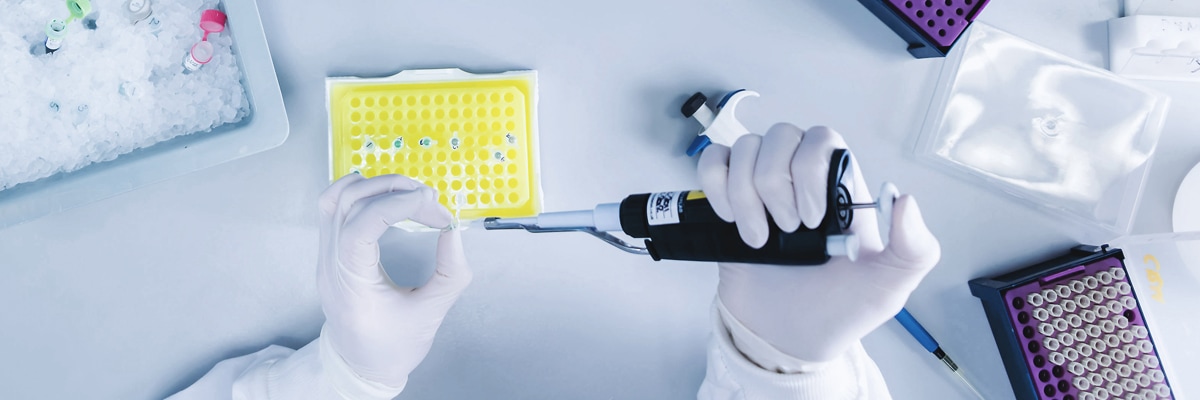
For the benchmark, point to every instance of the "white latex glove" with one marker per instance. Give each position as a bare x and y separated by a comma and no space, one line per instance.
382,331
813,313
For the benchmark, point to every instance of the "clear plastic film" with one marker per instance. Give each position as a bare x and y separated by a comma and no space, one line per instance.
1070,138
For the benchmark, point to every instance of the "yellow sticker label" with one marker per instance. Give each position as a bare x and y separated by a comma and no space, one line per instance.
1156,280
696,195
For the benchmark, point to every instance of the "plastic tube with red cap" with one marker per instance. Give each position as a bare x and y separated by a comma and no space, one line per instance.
211,21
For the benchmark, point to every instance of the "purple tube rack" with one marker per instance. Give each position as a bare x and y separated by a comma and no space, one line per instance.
940,20
1054,330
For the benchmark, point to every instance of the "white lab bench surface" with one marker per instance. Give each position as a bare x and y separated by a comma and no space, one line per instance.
137,296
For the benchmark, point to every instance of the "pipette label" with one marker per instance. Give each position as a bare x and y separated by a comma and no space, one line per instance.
191,64
53,44
663,208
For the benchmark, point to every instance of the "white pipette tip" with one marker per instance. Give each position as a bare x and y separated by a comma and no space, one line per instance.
464,225
531,221
958,371
963,378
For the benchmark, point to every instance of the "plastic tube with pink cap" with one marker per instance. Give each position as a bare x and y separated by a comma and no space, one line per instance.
211,21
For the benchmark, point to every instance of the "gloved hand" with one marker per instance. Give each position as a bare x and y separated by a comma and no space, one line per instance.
382,331
811,313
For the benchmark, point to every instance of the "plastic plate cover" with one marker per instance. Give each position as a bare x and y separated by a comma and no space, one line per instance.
1064,136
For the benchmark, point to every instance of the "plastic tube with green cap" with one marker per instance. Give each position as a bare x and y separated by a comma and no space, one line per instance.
78,9
56,29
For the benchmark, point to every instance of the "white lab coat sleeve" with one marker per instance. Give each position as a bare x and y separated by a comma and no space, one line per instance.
315,371
742,366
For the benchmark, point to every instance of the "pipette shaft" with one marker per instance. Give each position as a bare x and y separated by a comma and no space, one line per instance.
683,226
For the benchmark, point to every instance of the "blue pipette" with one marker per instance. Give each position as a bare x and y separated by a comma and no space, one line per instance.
918,332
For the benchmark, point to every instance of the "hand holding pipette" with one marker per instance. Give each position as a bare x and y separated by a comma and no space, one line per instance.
761,198
815,313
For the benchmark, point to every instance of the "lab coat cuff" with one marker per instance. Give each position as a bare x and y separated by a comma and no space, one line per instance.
758,350
345,381
765,372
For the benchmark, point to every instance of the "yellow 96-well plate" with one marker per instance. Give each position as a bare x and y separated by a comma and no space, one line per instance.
471,137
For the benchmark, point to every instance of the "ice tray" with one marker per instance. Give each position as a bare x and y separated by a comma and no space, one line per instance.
266,127
472,137
1073,329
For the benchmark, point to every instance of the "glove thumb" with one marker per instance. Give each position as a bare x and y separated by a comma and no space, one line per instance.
910,246
452,274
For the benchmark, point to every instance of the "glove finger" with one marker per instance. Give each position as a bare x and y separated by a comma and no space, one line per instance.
911,246
810,171
419,205
432,213
327,204
714,179
452,274
773,175
328,200
365,188
748,210
371,217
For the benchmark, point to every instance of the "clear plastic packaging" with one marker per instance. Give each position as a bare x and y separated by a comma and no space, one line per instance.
1165,272
1155,47
1162,7
1069,138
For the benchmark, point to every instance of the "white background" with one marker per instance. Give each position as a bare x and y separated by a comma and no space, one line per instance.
138,295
